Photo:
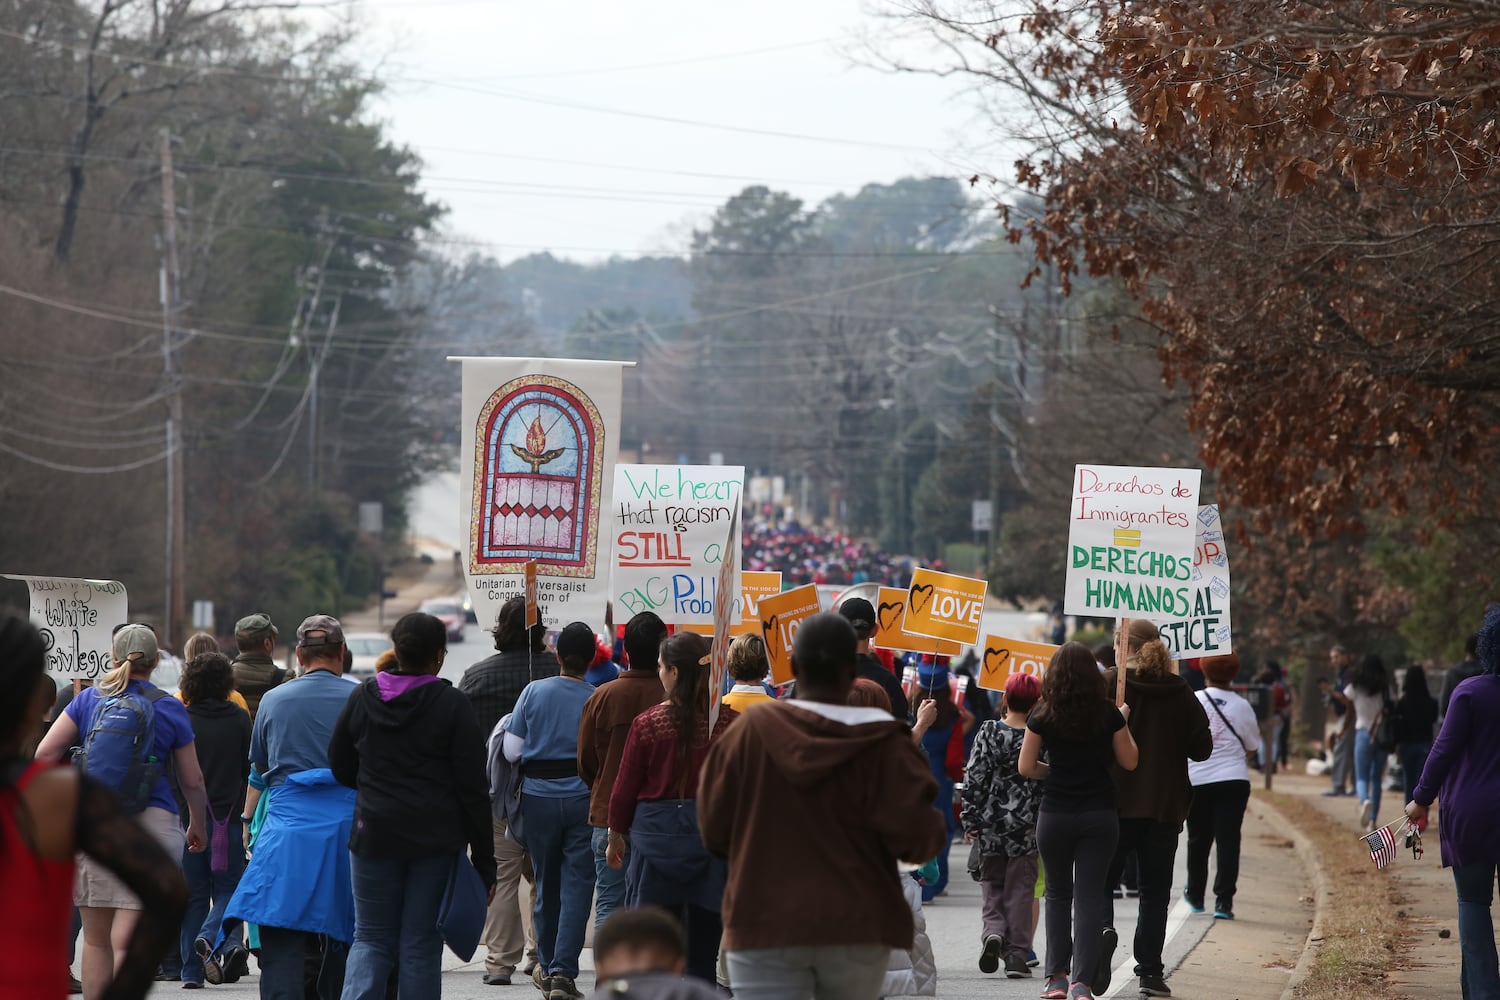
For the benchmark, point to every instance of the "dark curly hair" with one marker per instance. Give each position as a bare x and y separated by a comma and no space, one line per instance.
1074,700
207,677
510,630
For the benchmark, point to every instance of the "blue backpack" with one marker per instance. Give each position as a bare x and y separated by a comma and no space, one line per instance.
119,748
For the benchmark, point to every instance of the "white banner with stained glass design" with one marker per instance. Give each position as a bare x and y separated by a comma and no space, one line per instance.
540,437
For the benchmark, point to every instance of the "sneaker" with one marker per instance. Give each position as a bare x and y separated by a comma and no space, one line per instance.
236,964
191,984
1223,913
541,980
1031,960
1080,991
497,979
1366,813
1016,967
1155,986
1196,905
213,972
989,955
1105,970
1056,988
563,988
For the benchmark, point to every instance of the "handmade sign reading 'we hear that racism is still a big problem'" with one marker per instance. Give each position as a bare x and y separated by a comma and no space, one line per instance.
1130,545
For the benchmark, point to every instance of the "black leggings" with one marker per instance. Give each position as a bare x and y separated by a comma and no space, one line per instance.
1217,813
1076,850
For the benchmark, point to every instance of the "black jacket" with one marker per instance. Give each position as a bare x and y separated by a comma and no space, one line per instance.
869,667
418,762
221,732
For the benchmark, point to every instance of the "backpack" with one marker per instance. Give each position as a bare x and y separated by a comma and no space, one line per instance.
118,749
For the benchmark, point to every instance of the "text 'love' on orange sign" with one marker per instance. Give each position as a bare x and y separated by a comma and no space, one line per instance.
945,606
890,612
780,617
1003,657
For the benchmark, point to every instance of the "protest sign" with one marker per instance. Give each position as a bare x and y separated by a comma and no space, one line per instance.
539,443
1003,656
533,613
780,617
724,616
944,606
1130,545
668,526
77,619
753,587
1206,630
890,612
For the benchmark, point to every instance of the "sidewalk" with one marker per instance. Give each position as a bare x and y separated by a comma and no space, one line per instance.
1428,964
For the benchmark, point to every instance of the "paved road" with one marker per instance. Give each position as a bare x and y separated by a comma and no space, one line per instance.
952,921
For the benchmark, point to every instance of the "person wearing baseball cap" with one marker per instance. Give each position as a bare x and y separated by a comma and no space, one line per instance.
304,841
861,615
255,672
543,736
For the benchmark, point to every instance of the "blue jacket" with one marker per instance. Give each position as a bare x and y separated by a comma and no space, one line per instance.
298,877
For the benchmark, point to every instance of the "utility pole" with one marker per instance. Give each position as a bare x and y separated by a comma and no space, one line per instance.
176,491
312,401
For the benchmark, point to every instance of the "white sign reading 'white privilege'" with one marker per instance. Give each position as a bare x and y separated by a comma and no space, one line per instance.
77,619
1206,631
1130,544
667,524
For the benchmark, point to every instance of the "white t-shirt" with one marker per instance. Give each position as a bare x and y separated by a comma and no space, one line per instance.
1366,706
1227,762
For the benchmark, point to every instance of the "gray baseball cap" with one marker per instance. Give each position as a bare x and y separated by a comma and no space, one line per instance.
133,643
320,630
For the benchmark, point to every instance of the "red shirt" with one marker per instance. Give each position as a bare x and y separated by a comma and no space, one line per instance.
648,766
35,908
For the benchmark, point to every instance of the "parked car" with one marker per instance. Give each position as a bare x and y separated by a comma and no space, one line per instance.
470,615
450,612
366,648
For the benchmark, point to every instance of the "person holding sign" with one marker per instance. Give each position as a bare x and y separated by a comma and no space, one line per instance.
654,804
861,615
1170,726
943,743
1077,823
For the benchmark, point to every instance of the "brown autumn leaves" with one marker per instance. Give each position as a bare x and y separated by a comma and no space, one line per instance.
1302,197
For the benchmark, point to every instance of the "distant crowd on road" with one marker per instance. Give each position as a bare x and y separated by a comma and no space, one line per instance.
340,834
805,554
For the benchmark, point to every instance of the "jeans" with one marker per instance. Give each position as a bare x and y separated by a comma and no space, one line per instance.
1476,930
1155,846
396,904
1077,850
1008,886
208,896
1216,816
282,956
827,972
558,837
1413,759
609,883
1369,770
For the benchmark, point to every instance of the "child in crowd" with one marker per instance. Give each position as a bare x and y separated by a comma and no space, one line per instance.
913,972
1000,812
641,955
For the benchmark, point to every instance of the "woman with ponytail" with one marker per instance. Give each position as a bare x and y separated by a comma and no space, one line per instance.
1170,727
47,813
653,815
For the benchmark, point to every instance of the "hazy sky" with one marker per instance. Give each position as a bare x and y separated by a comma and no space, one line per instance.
489,93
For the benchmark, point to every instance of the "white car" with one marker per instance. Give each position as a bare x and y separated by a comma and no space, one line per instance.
366,648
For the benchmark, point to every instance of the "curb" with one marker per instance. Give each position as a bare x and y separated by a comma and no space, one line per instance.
1312,863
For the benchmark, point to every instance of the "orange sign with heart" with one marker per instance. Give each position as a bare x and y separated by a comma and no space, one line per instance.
780,617
1003,657
890,612
945,606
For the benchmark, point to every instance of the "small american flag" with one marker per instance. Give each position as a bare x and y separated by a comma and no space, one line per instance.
1382,846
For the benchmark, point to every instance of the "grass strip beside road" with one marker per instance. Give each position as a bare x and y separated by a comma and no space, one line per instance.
1363,925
